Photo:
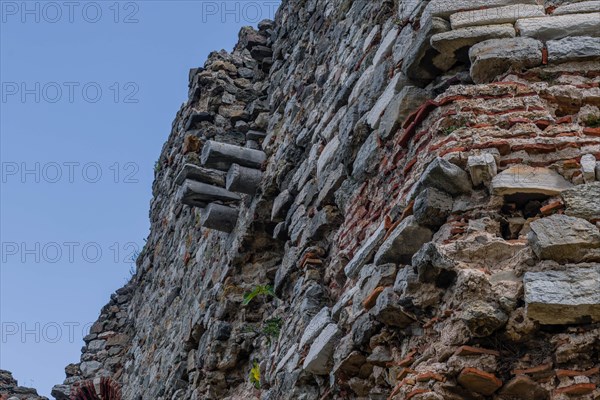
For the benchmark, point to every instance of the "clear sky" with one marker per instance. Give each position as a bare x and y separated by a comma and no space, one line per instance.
89,91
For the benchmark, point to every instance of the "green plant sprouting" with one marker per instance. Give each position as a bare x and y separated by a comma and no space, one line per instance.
266,290
593,121
271,328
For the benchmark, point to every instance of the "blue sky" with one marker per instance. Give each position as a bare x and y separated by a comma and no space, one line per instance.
89,91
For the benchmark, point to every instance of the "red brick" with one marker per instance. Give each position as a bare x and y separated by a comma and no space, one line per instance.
548,209
371,299
479,381
429,376
571,373
534,370
474,351
592,131
578,389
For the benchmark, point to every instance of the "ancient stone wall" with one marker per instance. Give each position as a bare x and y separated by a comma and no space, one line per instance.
10,389
375,199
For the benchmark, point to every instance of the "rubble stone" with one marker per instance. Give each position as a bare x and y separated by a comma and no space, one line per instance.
497,15
403,242
560,26
583,201
320,354
563,238
563,297
529,180
494,57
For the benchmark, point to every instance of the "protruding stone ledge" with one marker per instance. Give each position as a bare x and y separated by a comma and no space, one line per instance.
223,155
449,43
560,26
319,358
243,180
219,217
573,49
200,174
529,180
497,15
445,8
576,8
198,194
494,57
563,297
563,238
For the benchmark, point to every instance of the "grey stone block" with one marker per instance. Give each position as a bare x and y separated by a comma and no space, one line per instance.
573,49
560,26
583,201
403,242
563,297
432,207
496,15
563,238
388,310
494,57
529,180
319,358
445,176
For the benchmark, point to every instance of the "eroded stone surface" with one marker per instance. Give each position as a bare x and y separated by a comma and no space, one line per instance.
320,354
529,180
563,297
583,201
563,238
403,242
494,57
560,26
573,49
496,15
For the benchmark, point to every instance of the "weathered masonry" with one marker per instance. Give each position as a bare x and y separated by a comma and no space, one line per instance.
374,200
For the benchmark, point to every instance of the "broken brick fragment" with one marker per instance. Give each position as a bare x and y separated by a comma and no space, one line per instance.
479,381
577,389
475,351
371,299
571,373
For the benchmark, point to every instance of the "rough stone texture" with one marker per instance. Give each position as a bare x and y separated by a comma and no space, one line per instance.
529,180
403,242
583,201
578,7
495,56
560,26
399,108
366,252
445,8
445,176
588,168
563,297
448,43
432,207
573,49
563,238
309,81
482,169
496,15
10,389
318,360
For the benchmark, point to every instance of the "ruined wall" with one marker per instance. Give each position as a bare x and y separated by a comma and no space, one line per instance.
10,389
417,212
